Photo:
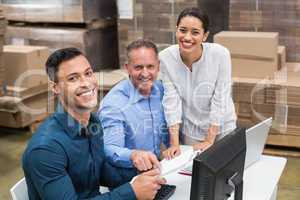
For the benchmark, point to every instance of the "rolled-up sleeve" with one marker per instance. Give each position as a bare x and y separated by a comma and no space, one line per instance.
172,102
113,124
222,94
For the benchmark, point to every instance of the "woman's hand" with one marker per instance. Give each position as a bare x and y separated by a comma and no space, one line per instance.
174,149
210,139
172,152
202,146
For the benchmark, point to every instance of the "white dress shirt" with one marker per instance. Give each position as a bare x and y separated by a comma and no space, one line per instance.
199,97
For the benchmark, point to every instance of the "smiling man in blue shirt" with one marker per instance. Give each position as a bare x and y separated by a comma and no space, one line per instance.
132,115
65,157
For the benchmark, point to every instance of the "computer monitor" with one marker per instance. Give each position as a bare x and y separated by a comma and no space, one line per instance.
218,171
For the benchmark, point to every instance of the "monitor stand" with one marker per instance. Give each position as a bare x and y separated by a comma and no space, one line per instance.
236,183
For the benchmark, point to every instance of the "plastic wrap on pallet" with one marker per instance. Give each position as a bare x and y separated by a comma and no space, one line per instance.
99,45
278,98
61,11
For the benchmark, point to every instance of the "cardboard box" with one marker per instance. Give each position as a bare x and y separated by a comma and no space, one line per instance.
293,70
281,52
286,88
254,54
250,68
25,65
246,90
107,79
18,113
248,44
243,110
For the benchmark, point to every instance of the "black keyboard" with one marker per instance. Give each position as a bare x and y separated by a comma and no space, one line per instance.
165,192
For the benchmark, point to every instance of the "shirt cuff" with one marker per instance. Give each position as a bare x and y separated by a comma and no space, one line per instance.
214,119
132,180
215,124
123,158
126,154
173,121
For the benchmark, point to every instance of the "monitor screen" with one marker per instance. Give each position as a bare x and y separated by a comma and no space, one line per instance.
218,171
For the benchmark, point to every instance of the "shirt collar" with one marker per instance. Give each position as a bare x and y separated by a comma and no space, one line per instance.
136,96
72,126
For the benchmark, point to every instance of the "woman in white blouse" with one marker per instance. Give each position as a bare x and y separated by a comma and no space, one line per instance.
197,81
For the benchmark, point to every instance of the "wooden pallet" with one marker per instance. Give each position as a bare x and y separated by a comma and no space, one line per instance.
284,140
281,151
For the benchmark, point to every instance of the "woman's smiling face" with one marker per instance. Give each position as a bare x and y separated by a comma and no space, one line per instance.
190,34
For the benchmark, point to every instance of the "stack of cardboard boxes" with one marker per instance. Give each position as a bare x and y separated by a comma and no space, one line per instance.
2,32
152,19
275,16
254,54
99,45
257,99
87,25
264,85
24,65
26,97
37,28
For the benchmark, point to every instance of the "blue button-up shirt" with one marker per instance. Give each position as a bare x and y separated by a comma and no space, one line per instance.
61,162
132,121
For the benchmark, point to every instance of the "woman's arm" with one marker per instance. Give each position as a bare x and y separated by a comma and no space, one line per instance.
220,100
174,149
173,112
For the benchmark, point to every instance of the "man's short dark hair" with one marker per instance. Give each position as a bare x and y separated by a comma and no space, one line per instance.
139,43
57,57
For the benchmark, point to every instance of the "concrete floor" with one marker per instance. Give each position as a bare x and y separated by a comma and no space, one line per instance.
13,143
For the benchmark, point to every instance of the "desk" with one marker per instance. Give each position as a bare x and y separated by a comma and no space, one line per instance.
260,180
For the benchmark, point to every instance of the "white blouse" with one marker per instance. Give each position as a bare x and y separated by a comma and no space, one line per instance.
201,97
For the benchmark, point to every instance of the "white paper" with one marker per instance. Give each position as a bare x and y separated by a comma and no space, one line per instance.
177,163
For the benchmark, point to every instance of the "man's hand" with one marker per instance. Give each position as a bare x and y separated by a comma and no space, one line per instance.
202,146
144,160
172,152
145,185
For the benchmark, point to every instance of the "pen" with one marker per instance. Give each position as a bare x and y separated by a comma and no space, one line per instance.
185,173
